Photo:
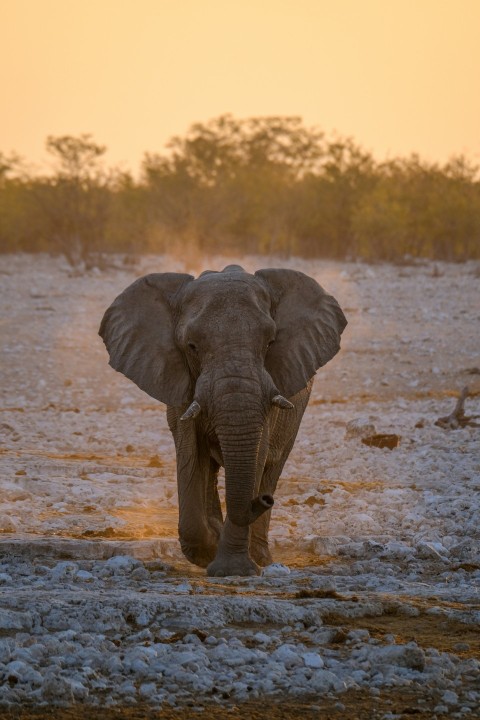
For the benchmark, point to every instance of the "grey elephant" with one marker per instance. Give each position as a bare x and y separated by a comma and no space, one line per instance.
233,356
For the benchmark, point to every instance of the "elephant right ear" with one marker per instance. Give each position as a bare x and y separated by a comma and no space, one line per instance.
138,331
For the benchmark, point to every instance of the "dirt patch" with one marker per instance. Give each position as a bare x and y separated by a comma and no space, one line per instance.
428,631
402,703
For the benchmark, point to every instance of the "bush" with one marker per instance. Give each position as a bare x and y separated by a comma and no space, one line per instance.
261,185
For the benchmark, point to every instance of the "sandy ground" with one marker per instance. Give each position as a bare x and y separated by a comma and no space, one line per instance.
374,607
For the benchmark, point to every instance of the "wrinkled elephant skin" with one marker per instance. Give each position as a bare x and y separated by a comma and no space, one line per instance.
233,356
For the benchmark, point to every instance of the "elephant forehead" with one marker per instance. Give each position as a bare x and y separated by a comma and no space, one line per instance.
227,291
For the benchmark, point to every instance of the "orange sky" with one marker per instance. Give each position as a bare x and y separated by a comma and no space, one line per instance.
397,75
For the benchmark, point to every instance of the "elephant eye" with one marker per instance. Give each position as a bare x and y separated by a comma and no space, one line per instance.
192,346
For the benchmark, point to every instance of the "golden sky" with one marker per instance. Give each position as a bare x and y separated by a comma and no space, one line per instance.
399,76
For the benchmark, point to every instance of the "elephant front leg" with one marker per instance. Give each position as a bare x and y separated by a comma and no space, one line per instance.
198,542
199,522
199,526
283,431
259,547
232,556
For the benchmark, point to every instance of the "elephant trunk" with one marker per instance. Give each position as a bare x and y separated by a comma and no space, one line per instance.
239,427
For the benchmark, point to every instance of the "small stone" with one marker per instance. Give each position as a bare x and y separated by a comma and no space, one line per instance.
287,655
121,564
450,698
140,574
14,620
183,587
79,691
84,576
16,669
312,660
146,690
409,656
431,550
56,688
275,570
361,427
211,640
65,570
262,638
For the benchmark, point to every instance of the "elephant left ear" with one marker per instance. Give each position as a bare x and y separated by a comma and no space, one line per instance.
139,333
309,324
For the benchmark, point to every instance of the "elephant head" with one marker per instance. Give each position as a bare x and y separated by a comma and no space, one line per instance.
225,347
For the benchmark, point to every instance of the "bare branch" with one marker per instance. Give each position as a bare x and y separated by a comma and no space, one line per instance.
457,418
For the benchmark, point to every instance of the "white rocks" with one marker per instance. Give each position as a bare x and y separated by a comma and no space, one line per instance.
359,428
17,670
121,564
147,691
84,576
275,570
57,689
450,697
183,587
325,545
432,550
409,656
72,646
64,571
12,620
363,522
397,550
261,638
312,660
287,655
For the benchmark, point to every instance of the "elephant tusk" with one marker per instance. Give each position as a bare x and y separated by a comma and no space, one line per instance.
192,411
282,402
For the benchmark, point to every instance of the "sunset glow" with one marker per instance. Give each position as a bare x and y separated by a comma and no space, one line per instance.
398,77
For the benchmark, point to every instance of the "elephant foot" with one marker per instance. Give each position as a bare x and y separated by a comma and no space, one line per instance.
225,565
260,552
199,553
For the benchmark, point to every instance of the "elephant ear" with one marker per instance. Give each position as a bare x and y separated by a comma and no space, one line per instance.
309,324
138,331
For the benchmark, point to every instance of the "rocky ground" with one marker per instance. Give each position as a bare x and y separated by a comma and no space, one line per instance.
372,608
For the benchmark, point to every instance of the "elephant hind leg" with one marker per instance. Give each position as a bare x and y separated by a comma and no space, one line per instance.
213,506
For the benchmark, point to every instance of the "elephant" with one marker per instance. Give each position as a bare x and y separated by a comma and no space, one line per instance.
232,355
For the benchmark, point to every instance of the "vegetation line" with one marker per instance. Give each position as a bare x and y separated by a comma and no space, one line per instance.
262,185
